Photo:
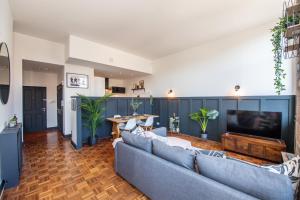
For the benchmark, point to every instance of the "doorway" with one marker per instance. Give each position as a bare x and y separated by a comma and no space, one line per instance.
34,108
40,99
59,107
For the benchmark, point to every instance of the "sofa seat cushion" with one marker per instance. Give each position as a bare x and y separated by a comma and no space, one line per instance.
249,179
177,155
137,141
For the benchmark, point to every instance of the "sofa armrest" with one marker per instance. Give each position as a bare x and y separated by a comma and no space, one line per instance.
162,131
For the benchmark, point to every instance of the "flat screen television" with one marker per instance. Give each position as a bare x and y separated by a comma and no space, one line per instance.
263,124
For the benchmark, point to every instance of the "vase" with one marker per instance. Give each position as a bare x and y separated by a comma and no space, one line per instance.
204,136
135,114
92,141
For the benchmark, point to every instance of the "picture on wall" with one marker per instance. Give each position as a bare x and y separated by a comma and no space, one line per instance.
77,80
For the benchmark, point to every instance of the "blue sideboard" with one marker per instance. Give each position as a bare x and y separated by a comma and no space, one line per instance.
11,155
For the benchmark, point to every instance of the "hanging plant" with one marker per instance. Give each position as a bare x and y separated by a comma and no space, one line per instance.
277,31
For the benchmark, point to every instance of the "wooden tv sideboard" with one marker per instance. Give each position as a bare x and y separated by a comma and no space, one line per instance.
268,149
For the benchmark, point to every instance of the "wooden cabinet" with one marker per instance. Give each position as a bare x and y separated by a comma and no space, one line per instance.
269,149
11,155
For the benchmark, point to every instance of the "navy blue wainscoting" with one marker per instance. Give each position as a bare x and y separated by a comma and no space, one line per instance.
114,106
183,106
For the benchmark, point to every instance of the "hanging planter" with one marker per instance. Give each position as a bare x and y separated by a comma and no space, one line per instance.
276,40
285,40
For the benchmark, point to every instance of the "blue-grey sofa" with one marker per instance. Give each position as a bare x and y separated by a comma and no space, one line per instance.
160,179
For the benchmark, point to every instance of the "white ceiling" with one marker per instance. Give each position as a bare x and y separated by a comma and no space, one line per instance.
148,28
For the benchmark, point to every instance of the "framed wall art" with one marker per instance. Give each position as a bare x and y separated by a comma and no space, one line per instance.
77,80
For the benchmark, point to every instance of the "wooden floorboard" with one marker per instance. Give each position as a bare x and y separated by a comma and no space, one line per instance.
52,169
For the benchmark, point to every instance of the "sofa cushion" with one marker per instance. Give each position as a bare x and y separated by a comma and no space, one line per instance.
137,141
290,168
177,155
246,178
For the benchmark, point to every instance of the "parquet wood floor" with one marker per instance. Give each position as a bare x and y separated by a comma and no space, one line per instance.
52,169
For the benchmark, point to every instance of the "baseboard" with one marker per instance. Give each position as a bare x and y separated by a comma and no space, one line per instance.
74,145
52,128
67,136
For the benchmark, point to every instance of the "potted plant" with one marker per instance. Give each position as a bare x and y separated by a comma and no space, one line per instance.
93,109
135,104
202,117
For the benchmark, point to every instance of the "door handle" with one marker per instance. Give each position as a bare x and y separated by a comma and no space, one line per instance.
44,109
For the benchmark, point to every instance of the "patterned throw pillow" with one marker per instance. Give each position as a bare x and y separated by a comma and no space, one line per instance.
215,153
290,168
139,131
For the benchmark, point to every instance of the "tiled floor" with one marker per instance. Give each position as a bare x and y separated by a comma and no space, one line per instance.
52,169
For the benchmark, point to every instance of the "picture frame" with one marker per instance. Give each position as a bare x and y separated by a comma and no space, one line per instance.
141,84
77,80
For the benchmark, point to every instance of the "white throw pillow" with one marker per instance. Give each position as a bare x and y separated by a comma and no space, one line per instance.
290,168
153,136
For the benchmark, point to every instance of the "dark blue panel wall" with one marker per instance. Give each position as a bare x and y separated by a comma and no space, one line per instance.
183,106
114,106
186,105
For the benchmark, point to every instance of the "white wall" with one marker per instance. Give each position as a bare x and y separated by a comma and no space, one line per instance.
214,68
48,80
36,49
6,35
69,92
86,50
99,86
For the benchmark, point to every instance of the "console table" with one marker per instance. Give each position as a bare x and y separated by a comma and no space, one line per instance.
11,155
268,149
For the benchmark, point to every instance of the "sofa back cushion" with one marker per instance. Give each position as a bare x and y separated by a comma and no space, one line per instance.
177,155
246,178
137,141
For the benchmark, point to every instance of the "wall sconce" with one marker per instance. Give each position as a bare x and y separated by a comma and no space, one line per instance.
237,89
171,93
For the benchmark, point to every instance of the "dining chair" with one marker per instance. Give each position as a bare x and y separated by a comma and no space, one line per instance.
129,126
148,125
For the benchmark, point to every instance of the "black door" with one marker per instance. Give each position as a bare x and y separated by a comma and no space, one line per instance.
34,109
59,107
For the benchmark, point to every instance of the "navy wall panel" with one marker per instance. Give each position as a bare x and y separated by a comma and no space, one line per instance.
183,106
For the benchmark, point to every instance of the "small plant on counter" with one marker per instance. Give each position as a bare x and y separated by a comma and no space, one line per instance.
202,117
93,110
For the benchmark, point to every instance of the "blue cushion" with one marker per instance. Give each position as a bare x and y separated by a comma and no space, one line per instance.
137,141
246,178
177,155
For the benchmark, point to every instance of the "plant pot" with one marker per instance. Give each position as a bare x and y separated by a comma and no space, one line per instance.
135,114
92,141
204,136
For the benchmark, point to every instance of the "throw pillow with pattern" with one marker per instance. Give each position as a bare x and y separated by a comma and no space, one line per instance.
290,168
214,153
139,131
